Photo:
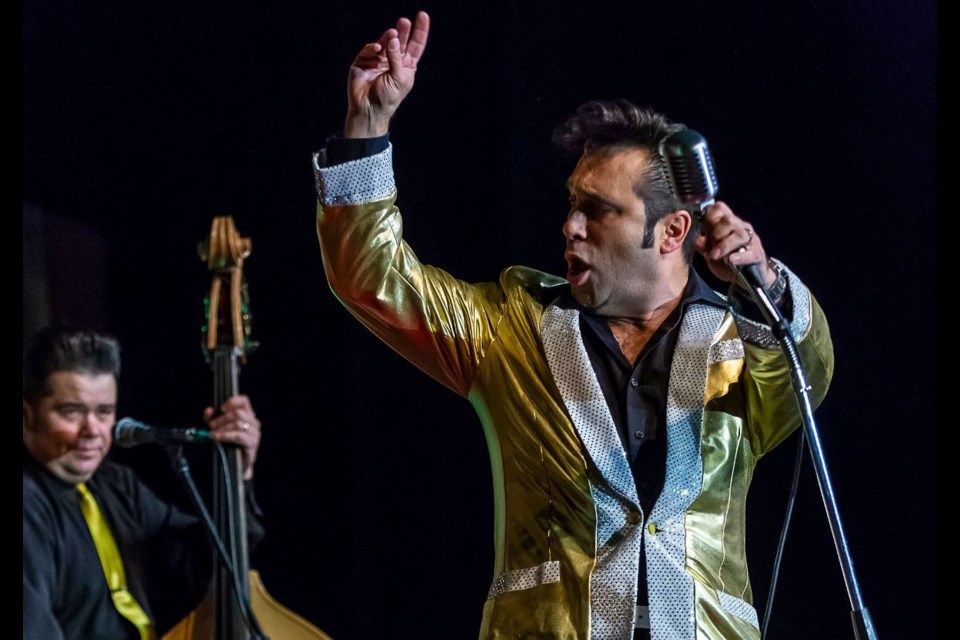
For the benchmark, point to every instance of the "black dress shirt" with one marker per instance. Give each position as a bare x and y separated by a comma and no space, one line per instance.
166,556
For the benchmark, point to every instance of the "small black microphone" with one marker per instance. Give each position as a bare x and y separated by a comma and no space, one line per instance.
129,432
694,182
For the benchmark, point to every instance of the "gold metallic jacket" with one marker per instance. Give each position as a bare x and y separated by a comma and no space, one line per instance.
568,526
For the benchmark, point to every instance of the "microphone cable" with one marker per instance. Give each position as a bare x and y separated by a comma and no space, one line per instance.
791,501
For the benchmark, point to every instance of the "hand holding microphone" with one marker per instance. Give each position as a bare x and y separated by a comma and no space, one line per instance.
731,248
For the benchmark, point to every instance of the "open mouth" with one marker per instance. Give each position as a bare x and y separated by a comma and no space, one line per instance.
576,267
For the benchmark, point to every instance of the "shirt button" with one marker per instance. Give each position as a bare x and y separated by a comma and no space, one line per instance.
633,382
652,528
639,435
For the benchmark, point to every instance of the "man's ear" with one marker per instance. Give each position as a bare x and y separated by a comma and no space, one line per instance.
676,226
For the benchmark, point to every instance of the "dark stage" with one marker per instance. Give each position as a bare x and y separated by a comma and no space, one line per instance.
142,121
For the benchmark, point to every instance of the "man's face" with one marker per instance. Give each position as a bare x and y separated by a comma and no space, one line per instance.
608,267
69,431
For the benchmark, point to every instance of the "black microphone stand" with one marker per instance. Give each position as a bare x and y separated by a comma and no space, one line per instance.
862,623
182,467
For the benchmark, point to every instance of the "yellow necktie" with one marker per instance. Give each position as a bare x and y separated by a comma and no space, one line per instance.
123,600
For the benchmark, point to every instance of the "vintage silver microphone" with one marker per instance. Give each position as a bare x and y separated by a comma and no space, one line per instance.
694,181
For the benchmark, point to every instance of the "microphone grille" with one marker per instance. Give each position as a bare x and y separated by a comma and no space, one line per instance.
125,432
689,166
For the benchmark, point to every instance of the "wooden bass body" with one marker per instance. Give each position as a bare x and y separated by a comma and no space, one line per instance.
278,622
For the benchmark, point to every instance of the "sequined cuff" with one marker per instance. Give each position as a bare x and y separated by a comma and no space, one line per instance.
355,182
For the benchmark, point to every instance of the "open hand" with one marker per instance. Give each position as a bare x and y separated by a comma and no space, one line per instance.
382,75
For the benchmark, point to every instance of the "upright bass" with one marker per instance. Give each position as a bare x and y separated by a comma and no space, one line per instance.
237,605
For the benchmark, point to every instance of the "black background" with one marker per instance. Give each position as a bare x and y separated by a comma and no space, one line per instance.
144,120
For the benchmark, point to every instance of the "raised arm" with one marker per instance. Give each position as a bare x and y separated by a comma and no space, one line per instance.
382,75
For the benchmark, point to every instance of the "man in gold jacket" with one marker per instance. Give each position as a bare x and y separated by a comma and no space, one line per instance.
624,406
